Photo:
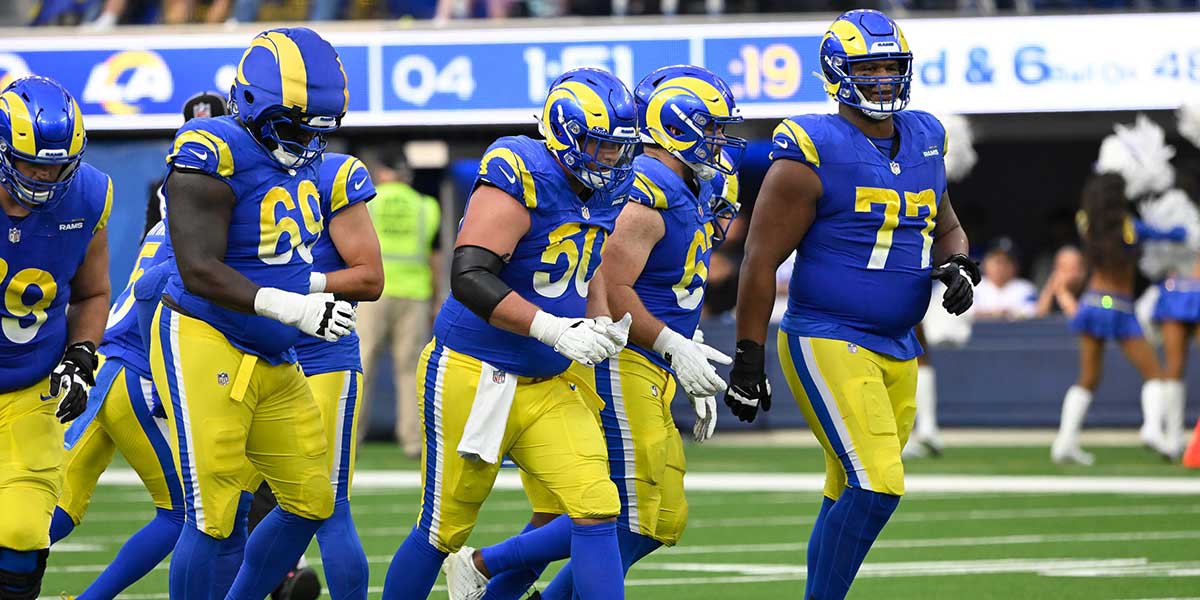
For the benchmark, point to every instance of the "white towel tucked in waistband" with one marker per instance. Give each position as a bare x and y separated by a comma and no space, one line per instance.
489,415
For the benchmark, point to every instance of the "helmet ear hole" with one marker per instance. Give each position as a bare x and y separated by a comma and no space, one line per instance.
247,96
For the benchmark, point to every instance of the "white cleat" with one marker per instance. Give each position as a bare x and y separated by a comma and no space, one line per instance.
1156,441
463,580
1071,456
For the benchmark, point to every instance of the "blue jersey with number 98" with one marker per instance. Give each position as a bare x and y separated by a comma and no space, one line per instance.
550,266
276,220
671,284
862,270
38,260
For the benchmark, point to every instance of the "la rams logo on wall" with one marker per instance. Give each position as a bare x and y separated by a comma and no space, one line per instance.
126,79
12,68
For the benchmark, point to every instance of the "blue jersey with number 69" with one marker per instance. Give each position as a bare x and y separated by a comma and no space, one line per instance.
671,284
550,266
38,260
862,270
276,220
122,335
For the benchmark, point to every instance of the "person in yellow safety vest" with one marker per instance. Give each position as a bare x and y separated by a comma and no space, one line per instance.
407,222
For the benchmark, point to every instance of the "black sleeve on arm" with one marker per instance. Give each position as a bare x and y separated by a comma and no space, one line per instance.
475,279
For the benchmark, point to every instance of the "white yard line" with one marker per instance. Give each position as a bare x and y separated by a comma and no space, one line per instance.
812,482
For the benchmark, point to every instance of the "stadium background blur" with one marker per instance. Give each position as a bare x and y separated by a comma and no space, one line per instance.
1041,82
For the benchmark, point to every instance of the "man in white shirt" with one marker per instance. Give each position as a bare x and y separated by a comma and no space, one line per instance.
1002,295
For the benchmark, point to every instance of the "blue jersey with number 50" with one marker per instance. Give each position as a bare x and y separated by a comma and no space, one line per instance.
671,284
38,260
122,335
550,266
276,220
862,270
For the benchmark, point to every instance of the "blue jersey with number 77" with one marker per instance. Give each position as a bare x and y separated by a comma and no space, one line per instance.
862,270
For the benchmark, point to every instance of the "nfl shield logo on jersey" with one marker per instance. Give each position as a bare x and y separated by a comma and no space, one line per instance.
223,378
14,235
498,376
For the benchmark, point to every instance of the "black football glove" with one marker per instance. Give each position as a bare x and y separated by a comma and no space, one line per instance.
961,275
72,379
748,386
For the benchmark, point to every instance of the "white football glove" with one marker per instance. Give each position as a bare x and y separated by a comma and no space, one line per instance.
706,417
705,407
576,339
689,360
319,315
617,332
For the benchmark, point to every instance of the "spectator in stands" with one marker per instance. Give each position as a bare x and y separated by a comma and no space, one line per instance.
1001,294
407,222
246,11
1062,289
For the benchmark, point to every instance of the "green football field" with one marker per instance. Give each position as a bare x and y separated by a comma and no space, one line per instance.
979,523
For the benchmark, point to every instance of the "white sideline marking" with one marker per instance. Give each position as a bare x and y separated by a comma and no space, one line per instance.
1047,567
667,553
812,482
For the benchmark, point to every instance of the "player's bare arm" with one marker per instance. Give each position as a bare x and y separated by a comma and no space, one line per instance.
637,230
201,208
88,310
495,222
949,238
783,212
597,300
354,236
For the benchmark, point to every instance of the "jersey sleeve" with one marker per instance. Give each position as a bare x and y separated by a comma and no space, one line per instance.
102,221
503,167
793,140
646,191
351,184
199,147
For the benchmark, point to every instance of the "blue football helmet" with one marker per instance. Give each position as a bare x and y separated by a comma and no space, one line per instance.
290,91
861,36
724,203
684,109
589,122
40,123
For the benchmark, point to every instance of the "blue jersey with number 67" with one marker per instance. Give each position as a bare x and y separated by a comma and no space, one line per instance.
550,266
671,284
38,260
275,222
862,270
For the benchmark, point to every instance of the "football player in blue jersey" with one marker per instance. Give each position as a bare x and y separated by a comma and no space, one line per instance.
655,268
346,263
122,415
861,197
525,302
54,272
244,211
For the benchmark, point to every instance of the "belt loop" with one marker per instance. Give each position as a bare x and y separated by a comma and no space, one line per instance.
241,381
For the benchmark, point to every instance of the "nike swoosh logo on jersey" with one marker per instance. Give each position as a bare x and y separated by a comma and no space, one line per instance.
511,178
199,155
782,142
360,183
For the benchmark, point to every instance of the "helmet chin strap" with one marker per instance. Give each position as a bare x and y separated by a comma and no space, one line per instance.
285,158
703,172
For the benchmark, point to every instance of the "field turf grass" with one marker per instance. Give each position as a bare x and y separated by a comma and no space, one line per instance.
956,544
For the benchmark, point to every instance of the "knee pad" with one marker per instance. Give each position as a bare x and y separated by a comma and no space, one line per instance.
890,472
22,584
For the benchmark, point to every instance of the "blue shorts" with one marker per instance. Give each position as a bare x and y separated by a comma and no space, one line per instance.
1106,316
1179,301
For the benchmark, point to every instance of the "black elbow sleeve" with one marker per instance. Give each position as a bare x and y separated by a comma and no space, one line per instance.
475,279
